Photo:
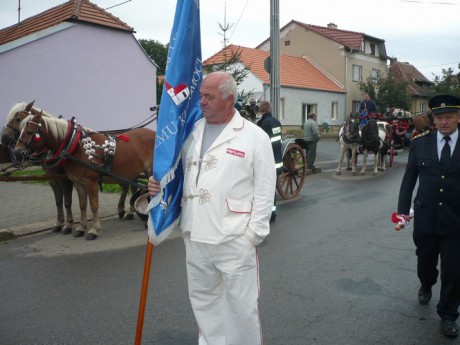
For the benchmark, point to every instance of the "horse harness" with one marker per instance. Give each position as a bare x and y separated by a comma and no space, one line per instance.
75,134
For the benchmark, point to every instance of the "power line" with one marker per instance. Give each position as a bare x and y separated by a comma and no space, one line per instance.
121,3
242,12
430,2
444,64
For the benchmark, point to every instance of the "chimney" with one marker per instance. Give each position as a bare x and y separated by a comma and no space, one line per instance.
331,26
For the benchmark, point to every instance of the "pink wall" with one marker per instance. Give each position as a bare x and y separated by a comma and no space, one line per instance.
99,75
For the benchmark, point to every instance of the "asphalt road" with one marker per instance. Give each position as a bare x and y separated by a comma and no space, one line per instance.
333,271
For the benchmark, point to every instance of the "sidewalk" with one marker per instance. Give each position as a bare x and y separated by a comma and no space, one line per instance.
28,208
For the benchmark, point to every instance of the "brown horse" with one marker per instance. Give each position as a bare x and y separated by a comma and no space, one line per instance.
62,188
88,157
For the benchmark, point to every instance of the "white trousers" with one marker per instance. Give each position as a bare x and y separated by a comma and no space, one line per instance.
223,284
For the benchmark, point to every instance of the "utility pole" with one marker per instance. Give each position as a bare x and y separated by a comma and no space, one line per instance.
275,57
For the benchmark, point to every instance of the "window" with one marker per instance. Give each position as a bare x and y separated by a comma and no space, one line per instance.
357,73
334,110
281,114
355,107
422,108
372,48
376,74
287,43
307,109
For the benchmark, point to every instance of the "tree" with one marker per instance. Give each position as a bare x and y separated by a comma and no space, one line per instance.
231,62
158,52
386,92
447,83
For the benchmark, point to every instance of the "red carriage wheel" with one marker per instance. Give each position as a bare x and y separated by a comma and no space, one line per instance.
291,180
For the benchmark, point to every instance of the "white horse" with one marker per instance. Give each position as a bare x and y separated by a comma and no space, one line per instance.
375,138
349,137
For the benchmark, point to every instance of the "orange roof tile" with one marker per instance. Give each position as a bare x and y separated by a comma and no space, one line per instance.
73,10
294,71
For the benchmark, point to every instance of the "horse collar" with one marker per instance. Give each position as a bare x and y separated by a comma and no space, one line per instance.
67,147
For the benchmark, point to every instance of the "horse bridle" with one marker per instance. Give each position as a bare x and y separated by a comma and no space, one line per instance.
27,144
14,138
346,134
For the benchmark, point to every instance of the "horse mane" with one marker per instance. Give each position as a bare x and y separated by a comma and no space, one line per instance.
21,107
56,127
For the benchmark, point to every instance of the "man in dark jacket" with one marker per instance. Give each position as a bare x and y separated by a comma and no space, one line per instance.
272,127
434,160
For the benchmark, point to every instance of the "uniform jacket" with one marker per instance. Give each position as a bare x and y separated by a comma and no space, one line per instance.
272,127
234,193
437,202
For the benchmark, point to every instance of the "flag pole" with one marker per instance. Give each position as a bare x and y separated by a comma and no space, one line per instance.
144,289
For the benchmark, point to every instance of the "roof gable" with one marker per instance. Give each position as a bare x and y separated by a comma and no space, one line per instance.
73,10
349,39
417,83
294,71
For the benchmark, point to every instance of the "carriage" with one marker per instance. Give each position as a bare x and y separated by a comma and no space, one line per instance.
291,180
401,133
390,133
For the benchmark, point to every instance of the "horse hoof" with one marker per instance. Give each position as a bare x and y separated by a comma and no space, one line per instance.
56,229
353,173
362,174
91,237
130,216
66,231
348,168
338,173
121,214
79,233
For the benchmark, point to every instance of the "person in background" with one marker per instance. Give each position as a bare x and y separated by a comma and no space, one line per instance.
272,127
312,136
434,160
366,108
229,183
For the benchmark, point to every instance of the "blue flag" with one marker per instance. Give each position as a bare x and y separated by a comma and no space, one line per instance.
179,110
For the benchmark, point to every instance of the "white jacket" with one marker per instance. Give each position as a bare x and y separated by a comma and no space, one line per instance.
235,191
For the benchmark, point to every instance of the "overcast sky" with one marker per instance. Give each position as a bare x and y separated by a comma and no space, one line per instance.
421,32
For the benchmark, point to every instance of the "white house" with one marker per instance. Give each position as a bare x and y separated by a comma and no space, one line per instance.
305,87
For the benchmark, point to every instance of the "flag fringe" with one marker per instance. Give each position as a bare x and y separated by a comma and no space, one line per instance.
157,239
154,237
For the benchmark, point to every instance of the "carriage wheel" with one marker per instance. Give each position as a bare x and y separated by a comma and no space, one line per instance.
392,152
291,180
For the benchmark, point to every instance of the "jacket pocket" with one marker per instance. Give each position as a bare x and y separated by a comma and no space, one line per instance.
424,162
418,203
239,206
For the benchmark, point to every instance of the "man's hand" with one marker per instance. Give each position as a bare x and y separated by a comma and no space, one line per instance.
153,186
402,220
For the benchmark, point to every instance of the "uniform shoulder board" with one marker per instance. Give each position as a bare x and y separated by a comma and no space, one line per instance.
426,132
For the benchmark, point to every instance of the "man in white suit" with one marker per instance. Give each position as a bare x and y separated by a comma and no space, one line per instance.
229,188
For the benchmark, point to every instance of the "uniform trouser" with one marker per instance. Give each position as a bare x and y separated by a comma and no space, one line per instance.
223,283
311,153
428,250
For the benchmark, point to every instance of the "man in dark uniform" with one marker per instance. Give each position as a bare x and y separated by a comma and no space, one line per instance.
367,107
434,160
272,127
